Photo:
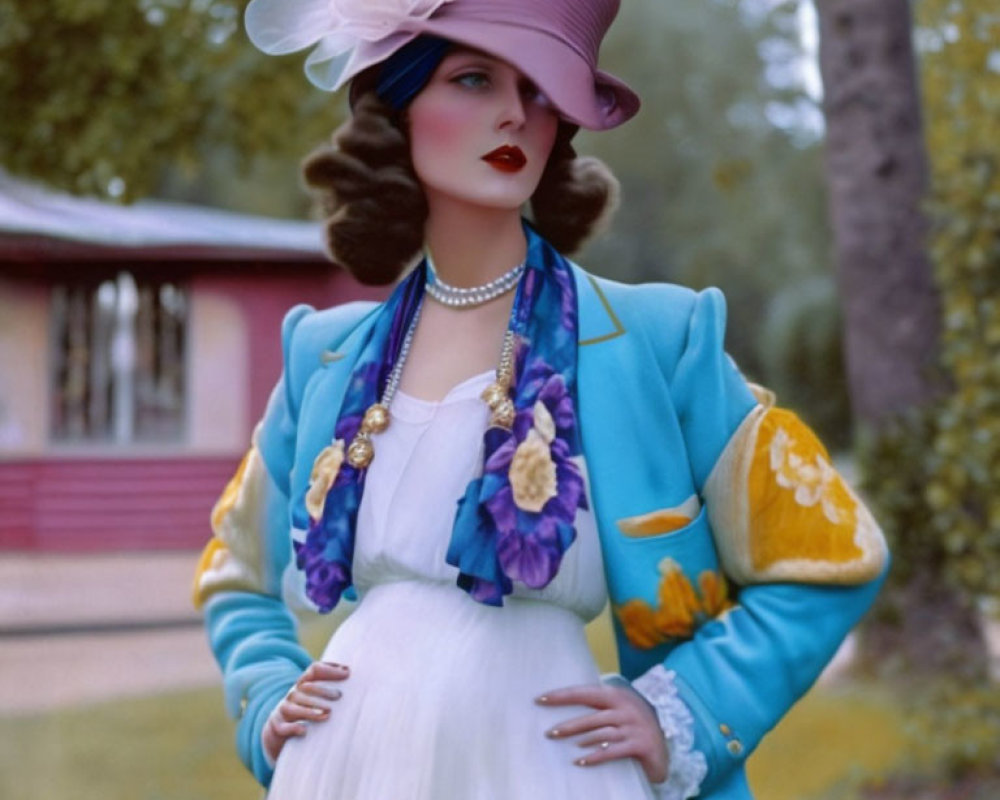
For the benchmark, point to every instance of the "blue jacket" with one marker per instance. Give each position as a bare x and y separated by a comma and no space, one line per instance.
667,422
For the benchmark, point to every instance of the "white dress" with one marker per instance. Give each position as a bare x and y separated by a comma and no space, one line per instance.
439,704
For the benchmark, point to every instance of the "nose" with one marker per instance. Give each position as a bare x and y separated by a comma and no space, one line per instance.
512,110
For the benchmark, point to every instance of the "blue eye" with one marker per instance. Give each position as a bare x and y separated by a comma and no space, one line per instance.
474,80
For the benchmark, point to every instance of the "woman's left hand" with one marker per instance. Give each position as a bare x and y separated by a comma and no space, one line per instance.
623,725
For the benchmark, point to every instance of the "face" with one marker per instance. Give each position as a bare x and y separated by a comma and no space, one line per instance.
480,132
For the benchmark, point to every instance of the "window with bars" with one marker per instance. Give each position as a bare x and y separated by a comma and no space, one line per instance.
119,355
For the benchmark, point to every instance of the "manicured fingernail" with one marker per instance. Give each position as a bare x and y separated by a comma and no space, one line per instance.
552,734
335,664
318,712
542,699
581,762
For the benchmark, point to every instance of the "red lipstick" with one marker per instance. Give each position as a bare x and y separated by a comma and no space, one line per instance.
506,159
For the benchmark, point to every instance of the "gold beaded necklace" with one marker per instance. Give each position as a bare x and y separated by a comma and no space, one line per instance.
497,395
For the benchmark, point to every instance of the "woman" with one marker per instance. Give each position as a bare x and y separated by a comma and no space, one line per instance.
503,444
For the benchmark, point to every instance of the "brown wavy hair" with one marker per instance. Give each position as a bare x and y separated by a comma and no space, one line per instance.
376,210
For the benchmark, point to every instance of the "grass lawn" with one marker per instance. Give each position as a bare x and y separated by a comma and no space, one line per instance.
168,747
179,746
831,734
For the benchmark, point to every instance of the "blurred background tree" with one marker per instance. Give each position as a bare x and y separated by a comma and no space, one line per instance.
128,98
933,414
931,460
723,184
877,179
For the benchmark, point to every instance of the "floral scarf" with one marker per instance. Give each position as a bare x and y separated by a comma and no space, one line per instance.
516,521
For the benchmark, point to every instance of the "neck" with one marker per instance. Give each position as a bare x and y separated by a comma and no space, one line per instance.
471,246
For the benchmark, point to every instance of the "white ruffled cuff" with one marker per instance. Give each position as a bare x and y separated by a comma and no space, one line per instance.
688,766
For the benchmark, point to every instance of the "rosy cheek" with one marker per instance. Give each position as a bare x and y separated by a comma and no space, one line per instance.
443,125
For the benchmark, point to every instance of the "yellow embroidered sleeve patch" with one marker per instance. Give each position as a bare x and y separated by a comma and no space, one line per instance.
679,609
232,558
230,494
781,512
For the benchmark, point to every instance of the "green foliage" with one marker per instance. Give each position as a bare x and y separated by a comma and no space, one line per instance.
935,479
954,730
896,466
100,97
802,357
962,96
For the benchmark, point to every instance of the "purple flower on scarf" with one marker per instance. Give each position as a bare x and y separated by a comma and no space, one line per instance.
325,580
540,487
325,555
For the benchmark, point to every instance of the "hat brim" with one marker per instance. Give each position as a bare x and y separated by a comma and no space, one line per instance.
592,99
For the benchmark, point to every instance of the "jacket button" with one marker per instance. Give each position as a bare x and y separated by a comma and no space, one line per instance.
725,730
735,748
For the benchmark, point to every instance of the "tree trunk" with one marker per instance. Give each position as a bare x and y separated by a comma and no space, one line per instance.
878,178
877,170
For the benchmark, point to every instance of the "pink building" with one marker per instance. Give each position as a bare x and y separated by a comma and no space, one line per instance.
138,346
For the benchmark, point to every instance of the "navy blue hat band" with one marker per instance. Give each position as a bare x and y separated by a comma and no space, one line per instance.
407,71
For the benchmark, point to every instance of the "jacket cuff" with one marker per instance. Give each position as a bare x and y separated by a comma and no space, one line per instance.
687,768
250,731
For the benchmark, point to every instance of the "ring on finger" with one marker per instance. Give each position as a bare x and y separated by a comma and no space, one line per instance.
604,745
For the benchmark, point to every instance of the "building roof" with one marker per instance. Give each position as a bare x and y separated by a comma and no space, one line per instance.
38,221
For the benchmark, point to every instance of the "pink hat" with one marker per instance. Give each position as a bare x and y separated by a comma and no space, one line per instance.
553,42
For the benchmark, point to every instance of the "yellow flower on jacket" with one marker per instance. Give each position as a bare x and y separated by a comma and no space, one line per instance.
638,619
678,603
714,593
679,609
325,469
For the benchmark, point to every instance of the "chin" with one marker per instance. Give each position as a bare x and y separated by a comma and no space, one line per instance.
492,190
496,201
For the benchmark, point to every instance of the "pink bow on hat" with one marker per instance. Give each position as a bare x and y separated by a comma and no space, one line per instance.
284,26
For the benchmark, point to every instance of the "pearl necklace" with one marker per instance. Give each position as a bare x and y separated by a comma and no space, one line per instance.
458,297
376,418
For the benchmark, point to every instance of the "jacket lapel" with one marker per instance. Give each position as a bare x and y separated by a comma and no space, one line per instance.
598,322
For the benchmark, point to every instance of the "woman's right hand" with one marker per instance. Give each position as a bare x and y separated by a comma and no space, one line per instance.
307,701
